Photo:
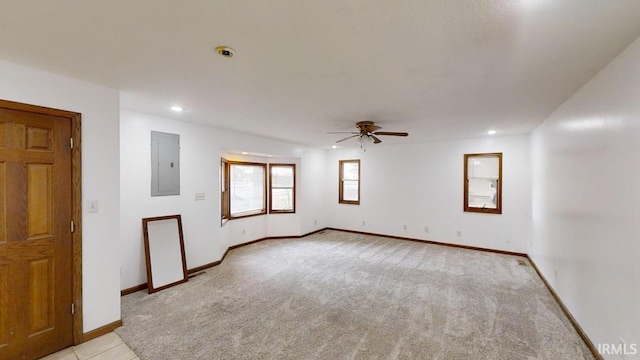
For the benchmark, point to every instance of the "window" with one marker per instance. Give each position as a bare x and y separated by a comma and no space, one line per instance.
247,189
282,194
483,183
349,182
224,190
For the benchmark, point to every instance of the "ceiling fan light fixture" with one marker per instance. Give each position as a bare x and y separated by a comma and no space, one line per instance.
367,132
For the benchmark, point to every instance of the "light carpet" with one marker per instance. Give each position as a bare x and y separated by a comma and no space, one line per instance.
338,295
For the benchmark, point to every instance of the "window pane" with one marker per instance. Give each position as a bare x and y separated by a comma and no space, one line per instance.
483,167
350,190
483,193
350,171
247,188
282,199
282,176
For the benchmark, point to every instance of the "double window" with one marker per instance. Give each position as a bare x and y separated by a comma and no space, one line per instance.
244,189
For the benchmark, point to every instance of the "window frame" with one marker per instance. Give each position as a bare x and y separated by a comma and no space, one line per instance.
467,208
225,202
271,187
228,182
341,180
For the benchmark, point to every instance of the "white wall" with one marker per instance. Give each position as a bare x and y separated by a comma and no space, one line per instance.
421,185
586,193
99,107
200,150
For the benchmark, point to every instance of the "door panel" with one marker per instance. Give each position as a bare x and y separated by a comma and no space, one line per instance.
39,201
3,213
35,239
41,300
4,304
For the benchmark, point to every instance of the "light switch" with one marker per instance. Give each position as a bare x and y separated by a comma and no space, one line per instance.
199,196
93,206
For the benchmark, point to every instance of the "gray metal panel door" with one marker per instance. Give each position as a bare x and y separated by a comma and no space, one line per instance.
165,164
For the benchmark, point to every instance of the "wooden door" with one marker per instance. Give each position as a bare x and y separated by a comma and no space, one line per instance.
35,234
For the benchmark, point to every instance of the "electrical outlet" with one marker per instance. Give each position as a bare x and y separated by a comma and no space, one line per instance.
315,222
93,206
426,229
555,273
404,227
458,233
244,231
363,223
199,196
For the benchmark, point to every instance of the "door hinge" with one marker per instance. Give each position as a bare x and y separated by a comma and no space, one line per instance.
73,226
73,309
71,142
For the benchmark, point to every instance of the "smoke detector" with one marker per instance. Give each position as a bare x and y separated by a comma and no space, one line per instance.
225,51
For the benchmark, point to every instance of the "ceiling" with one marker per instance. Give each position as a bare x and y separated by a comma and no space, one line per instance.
439,69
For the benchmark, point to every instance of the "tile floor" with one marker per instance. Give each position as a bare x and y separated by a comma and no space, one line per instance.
108,346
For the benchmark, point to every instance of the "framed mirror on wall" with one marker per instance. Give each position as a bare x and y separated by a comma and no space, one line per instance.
164,251
483,183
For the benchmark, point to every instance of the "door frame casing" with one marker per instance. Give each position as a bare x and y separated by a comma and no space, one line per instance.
76,193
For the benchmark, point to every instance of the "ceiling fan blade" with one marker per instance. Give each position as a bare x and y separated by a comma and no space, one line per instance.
375,139
374,128
343,132
392,133
347,138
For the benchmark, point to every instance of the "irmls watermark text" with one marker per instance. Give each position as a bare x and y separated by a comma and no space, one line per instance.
618,349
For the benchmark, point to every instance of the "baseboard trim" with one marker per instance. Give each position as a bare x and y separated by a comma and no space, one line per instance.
196,269
103,330
203,267
108,328
275,238
137,288
468,247
567,313
133,289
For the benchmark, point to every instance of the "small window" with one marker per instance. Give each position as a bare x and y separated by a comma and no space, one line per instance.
247,189
224,190
349,182
282,194
483,183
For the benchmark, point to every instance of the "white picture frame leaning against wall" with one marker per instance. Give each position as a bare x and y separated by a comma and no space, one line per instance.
164,252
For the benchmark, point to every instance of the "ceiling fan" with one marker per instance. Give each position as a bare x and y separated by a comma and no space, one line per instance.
367,130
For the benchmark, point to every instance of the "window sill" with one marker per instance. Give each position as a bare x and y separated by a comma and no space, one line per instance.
282,211
247,214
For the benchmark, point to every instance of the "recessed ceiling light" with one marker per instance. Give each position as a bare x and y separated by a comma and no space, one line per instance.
177,108
334,146
491,132
225,51
245,153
